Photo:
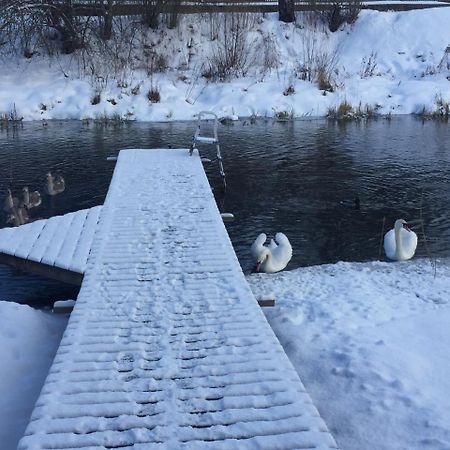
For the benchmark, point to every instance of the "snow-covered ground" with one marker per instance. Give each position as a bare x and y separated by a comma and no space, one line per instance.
28,342
371,342
394,62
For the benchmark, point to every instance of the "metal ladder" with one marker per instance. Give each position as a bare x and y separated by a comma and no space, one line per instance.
209,140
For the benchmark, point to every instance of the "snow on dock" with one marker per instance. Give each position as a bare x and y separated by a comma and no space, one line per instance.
57,247
167,347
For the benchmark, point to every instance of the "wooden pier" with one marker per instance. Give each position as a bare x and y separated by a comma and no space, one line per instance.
167,347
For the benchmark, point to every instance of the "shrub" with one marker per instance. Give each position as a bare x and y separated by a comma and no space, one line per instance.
319,64
368,66
345,111
289,90
156,62
153,95
284,116
323,78
232,55
267,49
136,89
96,99
341,13
11,116
441,110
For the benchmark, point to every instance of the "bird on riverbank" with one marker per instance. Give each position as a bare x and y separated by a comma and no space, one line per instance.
55,184
274,257
400,243
30,199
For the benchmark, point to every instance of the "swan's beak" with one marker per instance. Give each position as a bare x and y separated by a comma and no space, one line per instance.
406,227
258,266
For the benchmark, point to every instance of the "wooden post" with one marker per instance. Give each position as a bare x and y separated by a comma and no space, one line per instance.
152,9
173,13
266,301
63,306
286,11
227,217
107,20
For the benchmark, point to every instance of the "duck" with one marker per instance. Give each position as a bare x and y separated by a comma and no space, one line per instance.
30,199
400,243
10,202
272,258
355,204
55,184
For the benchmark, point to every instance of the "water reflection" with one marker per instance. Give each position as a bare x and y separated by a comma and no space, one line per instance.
289,177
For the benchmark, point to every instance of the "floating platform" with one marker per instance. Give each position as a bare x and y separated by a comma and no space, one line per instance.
56,248
167,348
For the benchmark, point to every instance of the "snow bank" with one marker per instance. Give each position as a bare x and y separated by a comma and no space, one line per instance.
28,342
388,60
371,344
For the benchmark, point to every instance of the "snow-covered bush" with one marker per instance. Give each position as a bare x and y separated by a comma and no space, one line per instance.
319,63
368,66
232,55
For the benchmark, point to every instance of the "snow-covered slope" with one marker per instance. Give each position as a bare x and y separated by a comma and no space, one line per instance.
387,60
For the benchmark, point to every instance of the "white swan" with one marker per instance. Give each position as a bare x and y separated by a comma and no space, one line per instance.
30,199
55,184
400,243
273,258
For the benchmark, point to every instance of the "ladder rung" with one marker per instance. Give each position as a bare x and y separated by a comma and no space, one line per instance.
206,140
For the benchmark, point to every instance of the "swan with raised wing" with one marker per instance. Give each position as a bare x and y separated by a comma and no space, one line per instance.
400,243
273,258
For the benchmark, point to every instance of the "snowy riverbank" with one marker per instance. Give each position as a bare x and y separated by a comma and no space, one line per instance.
28,342
371,344
389,62
369,340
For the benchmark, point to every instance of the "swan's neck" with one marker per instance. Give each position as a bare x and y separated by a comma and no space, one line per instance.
266,261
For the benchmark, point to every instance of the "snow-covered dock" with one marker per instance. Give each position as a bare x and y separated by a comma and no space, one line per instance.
56,248
166,347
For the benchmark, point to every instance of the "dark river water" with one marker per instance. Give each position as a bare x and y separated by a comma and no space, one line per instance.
290,177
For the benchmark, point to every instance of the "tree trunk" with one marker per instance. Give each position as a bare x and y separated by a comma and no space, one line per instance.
106,32
286,10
